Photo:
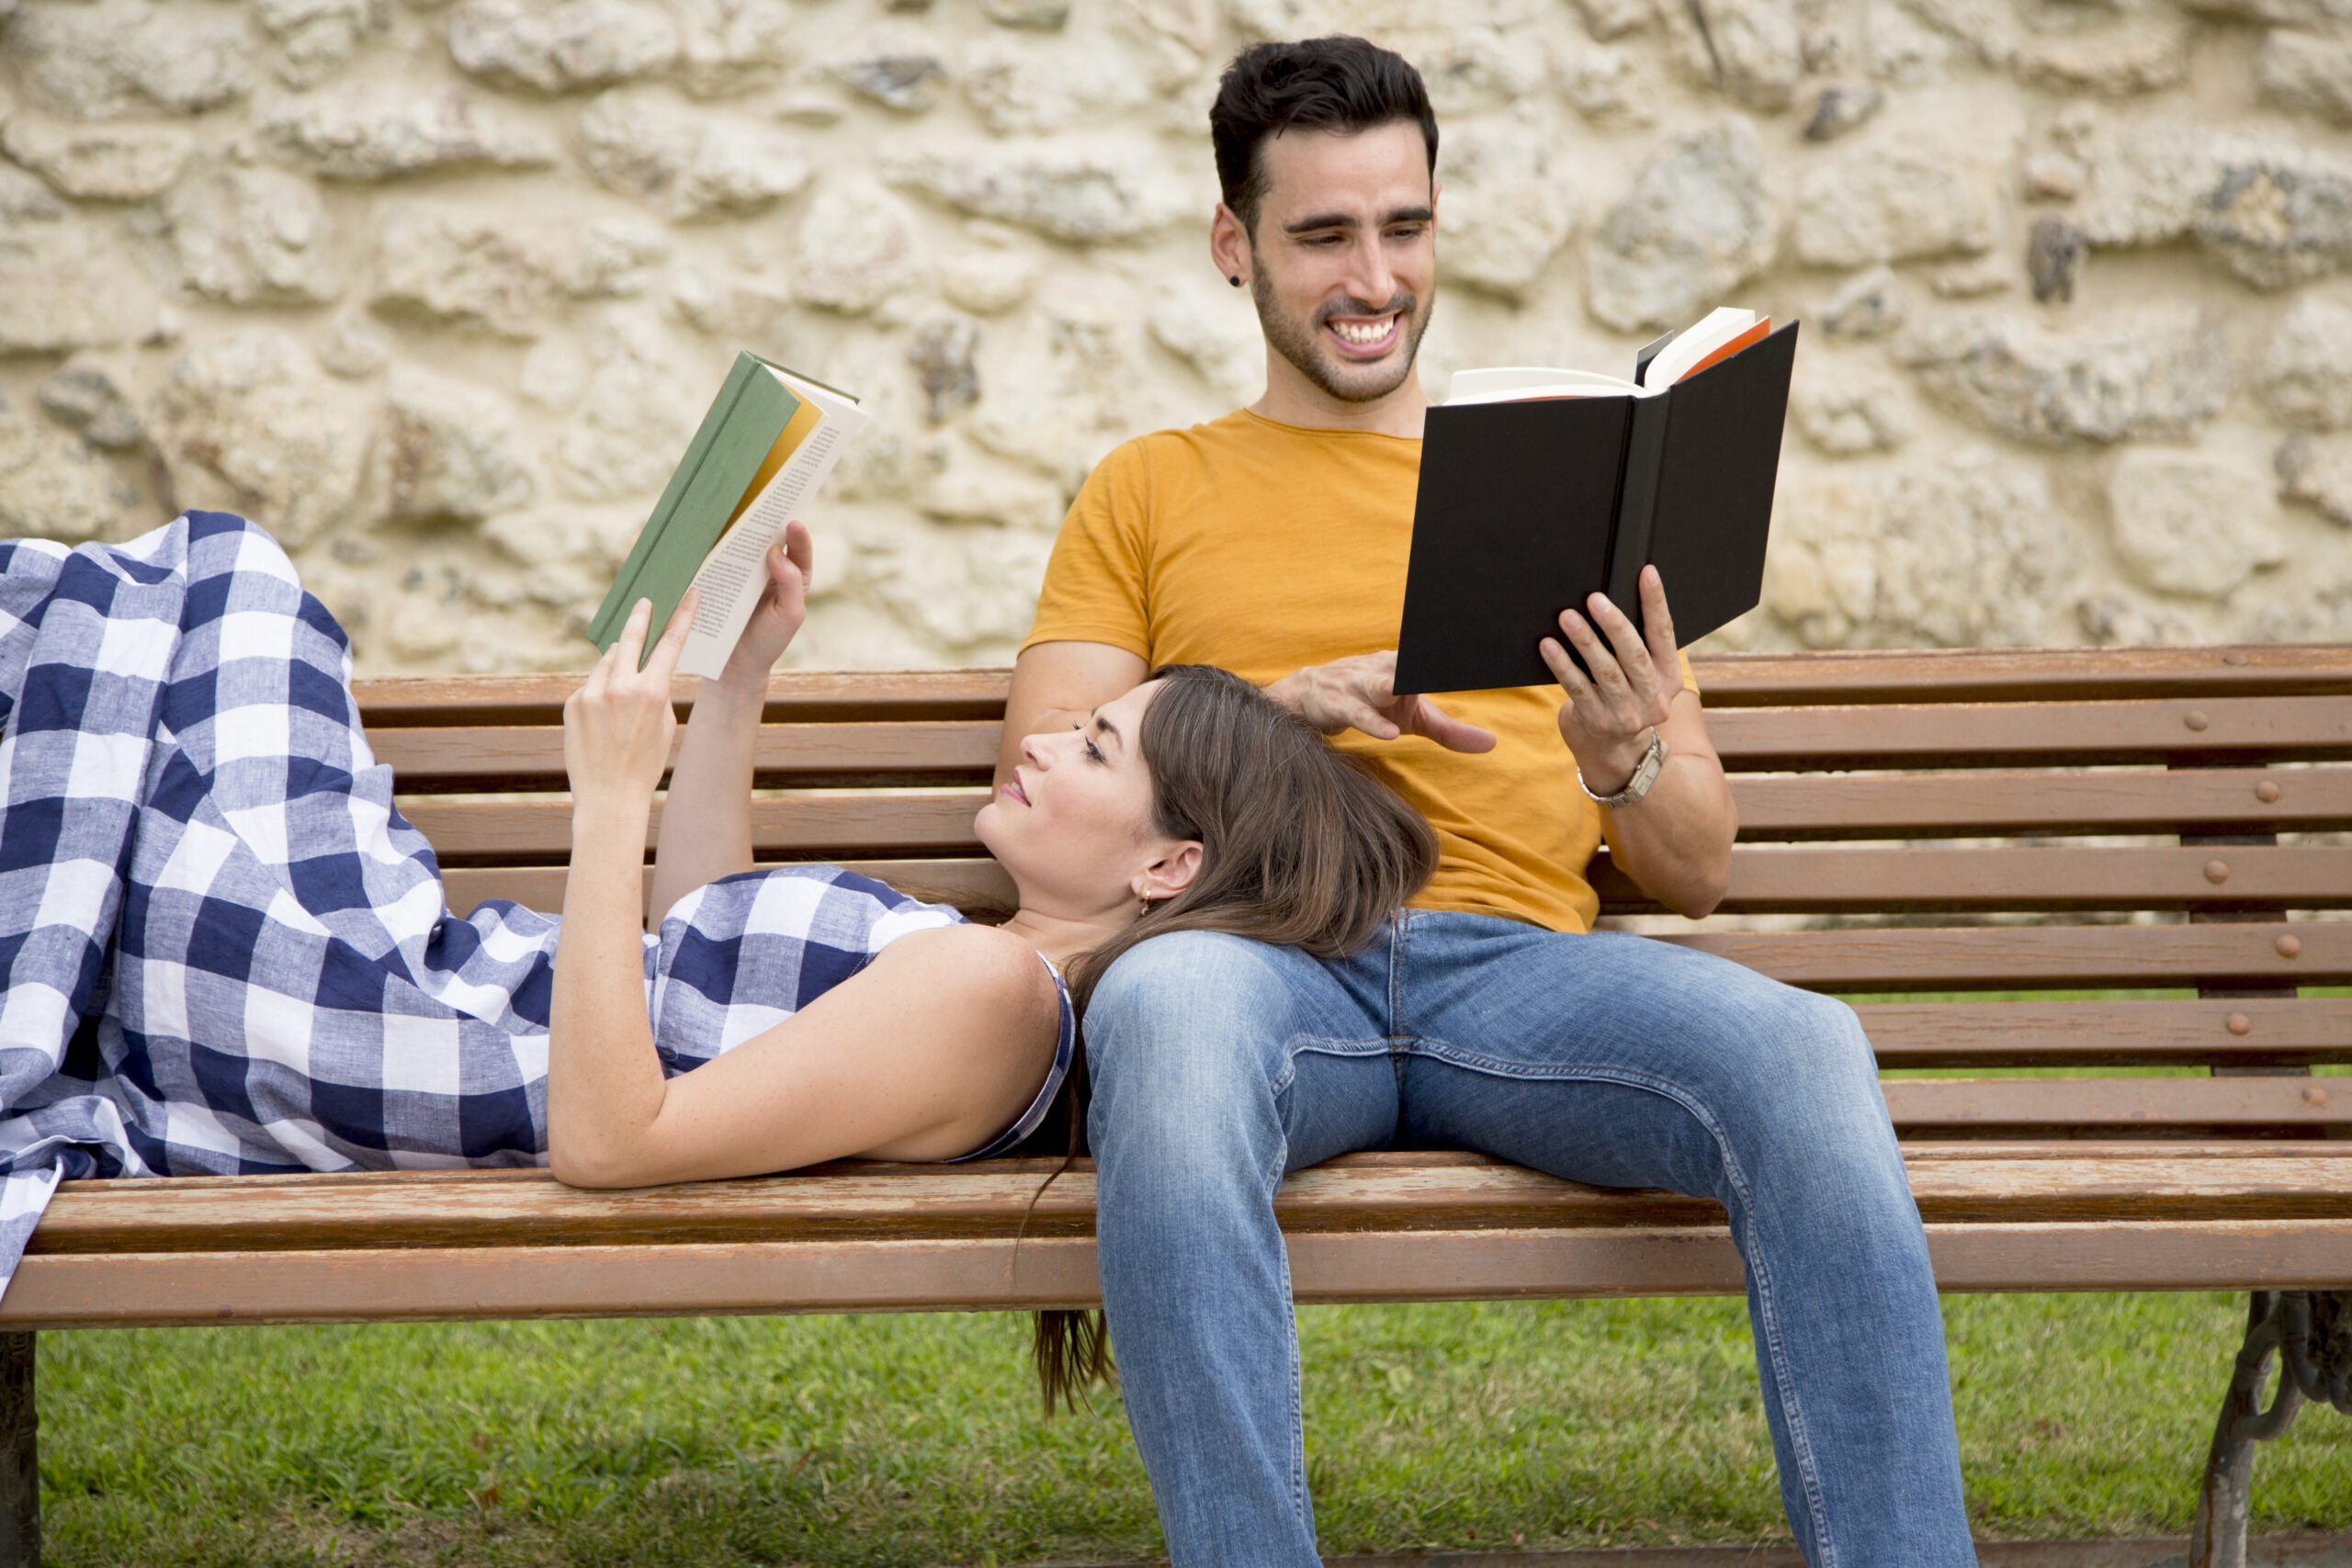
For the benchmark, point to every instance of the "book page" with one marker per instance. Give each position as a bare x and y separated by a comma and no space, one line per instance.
1514,383
733,578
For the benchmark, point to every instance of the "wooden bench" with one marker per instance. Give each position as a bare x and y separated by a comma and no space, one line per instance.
2150,812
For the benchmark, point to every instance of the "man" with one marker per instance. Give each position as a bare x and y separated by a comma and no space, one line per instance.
1273,541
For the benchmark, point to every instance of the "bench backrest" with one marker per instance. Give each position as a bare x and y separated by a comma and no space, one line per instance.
2008,824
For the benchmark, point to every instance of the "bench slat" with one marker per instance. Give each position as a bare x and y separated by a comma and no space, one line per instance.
1753,679
2026,957
460,1210
2019,733
1949,1107
2247,1032
1937,805
531,757
991,1273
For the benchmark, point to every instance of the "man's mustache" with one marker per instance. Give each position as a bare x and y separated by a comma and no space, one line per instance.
1403,302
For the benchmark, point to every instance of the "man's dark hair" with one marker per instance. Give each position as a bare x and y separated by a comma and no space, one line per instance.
1336,83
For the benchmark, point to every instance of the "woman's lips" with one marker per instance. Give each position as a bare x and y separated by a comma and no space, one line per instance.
1011,786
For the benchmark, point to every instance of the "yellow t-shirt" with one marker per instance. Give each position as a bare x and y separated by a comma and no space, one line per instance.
1264,548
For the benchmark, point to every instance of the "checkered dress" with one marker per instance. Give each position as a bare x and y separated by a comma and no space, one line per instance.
225,951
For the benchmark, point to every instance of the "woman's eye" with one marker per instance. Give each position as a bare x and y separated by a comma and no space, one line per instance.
1094,751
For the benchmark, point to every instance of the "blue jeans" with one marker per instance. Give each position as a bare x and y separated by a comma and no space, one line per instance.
1221,1064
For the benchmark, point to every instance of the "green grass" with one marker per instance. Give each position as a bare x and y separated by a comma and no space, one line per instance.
888,1440
906,1440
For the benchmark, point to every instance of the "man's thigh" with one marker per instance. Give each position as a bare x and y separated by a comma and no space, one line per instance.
1195,1038
1619,1059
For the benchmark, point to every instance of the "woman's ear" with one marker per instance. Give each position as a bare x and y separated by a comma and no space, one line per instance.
1173,872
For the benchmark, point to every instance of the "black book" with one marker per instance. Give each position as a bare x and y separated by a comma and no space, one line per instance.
1540,488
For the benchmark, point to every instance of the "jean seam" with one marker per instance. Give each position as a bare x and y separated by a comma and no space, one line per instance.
1791,1409
1270,1180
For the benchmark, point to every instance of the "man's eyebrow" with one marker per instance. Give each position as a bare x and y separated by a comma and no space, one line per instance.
1346,221
1107,727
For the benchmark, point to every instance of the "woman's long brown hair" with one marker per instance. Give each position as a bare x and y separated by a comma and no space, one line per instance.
1300,846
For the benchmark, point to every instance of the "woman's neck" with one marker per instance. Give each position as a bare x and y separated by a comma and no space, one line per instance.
1063,937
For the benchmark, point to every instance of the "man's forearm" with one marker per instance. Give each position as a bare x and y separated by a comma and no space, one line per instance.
1675,843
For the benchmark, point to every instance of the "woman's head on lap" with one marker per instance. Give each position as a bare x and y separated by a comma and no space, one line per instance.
1203,795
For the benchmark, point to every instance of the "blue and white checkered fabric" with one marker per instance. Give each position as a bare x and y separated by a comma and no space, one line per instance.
223,948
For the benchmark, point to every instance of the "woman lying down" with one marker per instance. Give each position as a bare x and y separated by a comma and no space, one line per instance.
225,951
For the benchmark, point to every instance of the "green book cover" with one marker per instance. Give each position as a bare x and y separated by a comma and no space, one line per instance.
744,422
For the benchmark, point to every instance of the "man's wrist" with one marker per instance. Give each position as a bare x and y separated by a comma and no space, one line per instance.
1610,775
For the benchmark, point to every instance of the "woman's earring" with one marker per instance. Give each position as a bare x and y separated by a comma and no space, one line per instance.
1143,905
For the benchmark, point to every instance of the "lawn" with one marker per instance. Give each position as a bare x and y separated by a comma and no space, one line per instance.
915,1439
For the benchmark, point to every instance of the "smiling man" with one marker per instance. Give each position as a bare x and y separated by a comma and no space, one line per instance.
1489,1015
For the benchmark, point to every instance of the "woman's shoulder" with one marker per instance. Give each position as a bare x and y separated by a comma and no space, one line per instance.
985,966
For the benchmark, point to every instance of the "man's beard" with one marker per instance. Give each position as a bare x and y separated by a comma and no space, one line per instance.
1303,345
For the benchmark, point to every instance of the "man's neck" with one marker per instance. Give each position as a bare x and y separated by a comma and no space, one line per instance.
1293,400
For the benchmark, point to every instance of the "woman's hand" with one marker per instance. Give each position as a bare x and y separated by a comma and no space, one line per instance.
791,562
617,726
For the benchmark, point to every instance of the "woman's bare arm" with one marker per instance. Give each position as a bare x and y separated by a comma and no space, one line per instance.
707,817
933,1048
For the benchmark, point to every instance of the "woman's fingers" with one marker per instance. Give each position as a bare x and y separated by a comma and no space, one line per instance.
800,550
673,642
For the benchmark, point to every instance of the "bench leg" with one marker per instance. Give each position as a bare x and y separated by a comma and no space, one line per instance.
2310,1332
19,1455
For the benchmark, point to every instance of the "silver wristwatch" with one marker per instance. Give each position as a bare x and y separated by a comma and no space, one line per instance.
1645,775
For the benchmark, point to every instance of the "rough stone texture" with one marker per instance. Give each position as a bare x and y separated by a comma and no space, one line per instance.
61,291
249,424
1081,193
623,433
2308,74
2276,211
1747,49
2156,376
2305,376
251,236
1695,225
1958,552
2138,50
2318,468
906,78
501,254
53,485
385,132
315,39
1839,107
98,163
1851,409
614,258
125,57
444,451
1506,209
567,47
2190,523
854,246
941,352
1870,304
82,395
449,268
683,163
1907,190
729,47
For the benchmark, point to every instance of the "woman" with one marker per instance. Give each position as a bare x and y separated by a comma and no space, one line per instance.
224,950
1191,801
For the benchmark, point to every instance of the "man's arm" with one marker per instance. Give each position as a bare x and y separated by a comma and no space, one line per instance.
1675,843
1056,685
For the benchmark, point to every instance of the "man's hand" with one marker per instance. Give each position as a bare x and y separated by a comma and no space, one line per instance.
1607,719
1361,694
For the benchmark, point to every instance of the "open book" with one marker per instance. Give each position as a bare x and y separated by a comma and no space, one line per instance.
770,439
1540,487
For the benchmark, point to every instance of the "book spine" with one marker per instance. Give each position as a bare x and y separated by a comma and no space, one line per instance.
1629,539
615,609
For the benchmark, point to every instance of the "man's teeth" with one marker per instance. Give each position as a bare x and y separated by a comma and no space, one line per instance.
1365,331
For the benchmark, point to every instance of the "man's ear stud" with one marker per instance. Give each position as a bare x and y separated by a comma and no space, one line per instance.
1235,281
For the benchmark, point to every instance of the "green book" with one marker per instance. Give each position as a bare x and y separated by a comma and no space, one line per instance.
768,440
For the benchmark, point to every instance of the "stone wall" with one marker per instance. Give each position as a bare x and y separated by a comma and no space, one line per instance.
437,291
